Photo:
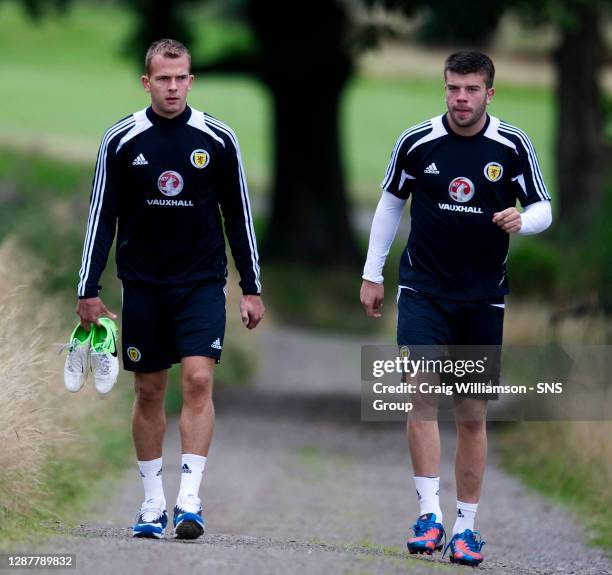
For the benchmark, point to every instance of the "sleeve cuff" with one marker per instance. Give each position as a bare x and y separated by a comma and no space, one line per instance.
91,292
376,279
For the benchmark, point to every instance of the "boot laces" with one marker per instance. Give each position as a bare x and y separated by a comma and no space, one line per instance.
469,537
76,361
102,363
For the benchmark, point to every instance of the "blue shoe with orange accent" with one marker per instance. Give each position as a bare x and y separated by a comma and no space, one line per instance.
428,535
465,548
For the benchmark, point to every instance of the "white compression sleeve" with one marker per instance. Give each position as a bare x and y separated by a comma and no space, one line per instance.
384,227
536,218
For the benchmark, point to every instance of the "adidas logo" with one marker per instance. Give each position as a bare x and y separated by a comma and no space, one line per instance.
431,169
460,513
216,344
185,468
140,160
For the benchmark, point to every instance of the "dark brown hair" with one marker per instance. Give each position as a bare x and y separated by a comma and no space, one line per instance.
471,62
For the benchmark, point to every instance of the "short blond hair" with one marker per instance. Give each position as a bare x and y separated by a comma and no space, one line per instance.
166,48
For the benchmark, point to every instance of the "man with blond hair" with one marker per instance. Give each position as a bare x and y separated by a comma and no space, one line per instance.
165,175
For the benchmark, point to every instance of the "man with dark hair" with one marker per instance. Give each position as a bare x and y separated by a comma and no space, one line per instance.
162,174
471,63
464,171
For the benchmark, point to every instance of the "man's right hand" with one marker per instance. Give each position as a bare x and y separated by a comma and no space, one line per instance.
90,309
372,296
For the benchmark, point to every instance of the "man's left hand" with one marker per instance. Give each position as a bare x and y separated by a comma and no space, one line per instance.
508,220
252,310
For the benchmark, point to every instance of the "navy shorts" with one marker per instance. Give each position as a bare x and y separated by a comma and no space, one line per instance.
163,323
454,329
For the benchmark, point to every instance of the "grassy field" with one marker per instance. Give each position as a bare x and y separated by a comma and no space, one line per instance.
69,82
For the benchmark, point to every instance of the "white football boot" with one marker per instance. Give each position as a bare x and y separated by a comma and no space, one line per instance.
77,360
103,354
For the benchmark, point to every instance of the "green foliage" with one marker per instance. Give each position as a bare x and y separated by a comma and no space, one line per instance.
534,268
37,9
568,263
155,19
443,22
587,257
210,29
448,22
44,203
218,36
326,299
597,248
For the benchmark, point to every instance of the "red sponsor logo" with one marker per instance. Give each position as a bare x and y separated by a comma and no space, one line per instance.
461,190
170,183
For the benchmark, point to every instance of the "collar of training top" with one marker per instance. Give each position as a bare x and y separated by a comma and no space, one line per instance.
451,133
182,118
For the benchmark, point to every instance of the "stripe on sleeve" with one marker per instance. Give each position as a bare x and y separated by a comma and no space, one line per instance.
538,180
246,206
394,155
97,200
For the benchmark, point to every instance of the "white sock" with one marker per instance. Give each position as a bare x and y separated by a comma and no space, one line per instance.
151,474
466,513
428,492
192,467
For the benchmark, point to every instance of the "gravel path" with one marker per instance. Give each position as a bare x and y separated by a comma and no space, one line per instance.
297,484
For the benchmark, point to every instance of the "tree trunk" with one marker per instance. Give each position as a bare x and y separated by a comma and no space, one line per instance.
306,63
580,141
310,213
154,20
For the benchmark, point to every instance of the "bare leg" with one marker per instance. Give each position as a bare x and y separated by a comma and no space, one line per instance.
471,456
423,434
198,412
424,446
148,417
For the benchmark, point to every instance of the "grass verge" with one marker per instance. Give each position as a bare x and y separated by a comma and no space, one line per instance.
71,477
55,445
569,463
